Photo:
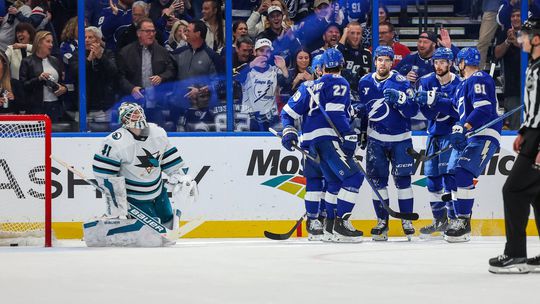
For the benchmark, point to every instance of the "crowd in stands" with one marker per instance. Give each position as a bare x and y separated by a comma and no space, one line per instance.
169,56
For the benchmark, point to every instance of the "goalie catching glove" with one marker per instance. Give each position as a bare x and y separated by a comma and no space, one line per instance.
183,187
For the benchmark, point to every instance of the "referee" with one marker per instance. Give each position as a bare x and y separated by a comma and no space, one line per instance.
523,184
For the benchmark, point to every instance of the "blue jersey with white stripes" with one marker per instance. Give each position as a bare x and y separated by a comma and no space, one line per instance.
441,116
386,122
331,92
476,101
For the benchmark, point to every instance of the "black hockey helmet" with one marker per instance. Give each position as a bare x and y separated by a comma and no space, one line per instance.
531,26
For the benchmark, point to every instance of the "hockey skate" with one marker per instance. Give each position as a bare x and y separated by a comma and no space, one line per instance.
438,225
380,232
459,231
534,264
408,229
344,231
315,229
328,233
508,265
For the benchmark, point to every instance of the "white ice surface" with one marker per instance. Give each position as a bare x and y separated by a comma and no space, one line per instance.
265,271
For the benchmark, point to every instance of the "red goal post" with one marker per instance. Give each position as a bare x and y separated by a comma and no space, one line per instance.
25,180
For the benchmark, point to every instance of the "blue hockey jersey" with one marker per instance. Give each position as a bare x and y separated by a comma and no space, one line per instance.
386,122
476,101
112,25
442,116
331,92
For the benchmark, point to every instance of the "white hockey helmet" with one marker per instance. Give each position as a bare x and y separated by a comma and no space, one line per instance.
131,115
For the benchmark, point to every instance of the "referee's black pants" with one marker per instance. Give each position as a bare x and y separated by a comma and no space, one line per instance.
521,189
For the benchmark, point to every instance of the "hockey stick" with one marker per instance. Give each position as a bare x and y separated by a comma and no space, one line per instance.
135,212
487,125
287,235
406,216
284,236
304,152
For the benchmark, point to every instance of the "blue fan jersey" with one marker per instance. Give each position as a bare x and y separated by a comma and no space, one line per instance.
442,116
387,123
476,101
331,92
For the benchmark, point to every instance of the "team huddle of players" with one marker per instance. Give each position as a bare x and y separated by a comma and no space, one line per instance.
332,127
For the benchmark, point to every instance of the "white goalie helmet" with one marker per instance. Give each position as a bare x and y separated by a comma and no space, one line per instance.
131,115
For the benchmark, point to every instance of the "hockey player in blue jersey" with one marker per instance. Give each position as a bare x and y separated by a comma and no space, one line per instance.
476,102
294,111
434,96
344,179
388,100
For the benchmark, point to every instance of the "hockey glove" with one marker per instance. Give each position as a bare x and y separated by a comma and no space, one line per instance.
289,138
359,110
427,98
395,97
458,138
183,188
350,142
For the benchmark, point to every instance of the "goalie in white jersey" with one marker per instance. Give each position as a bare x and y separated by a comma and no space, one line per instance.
130,165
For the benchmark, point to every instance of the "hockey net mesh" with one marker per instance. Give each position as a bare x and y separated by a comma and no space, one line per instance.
22,182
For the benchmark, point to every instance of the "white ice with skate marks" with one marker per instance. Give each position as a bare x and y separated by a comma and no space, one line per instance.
263,271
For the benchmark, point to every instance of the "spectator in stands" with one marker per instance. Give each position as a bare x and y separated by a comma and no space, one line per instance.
113,20
418,64
100,74
171,8
139,10
311,30
357,59
330,37
356,10
41,18
297,10
198,66
41,75
300,70
177,37
261,82
508,49
239,28
213,19
386,37
505,12
68,48
284,42
6,92
20,13
366,27
258,21
143,65
243,52
488,27
15,53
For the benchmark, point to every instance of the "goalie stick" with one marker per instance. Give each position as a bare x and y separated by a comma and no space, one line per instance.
135,212
406,216
424,158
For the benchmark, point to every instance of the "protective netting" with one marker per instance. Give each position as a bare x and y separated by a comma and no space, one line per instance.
22,182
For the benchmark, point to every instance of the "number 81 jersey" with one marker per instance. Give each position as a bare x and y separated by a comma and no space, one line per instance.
140,160
476,102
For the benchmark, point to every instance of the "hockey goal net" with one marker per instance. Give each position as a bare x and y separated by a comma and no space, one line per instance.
25,180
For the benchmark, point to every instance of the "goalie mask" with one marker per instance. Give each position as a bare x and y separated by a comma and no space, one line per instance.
131,116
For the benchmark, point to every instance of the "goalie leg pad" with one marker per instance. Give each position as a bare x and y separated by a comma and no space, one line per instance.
116,232
115,192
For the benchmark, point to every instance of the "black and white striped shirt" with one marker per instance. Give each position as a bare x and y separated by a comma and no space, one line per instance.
532,96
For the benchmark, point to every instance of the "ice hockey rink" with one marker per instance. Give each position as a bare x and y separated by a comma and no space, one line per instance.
265,271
